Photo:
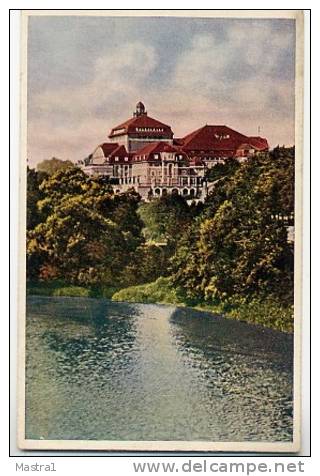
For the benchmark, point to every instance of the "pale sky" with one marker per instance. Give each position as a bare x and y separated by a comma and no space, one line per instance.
85,75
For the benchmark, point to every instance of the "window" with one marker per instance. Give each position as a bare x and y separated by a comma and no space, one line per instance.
116,159
222,136
126,159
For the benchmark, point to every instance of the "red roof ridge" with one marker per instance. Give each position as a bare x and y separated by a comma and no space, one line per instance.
124,124
108,147
190,136
139,121
193,134
120,150
218,139
259,142
148,149
159,146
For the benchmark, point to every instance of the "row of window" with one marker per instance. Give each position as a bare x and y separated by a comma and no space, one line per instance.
116,159
149,129
157,157
174,191
225,151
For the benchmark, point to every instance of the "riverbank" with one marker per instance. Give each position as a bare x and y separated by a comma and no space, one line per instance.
268,312
61,289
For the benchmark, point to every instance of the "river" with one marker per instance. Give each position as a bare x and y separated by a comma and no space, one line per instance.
101,370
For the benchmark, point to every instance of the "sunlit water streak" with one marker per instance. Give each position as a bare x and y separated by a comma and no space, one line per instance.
116,371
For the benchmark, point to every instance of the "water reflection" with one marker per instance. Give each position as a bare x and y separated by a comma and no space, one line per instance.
95,336
236,366
103,370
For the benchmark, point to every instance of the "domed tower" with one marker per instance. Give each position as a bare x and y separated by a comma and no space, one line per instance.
140,110
140,131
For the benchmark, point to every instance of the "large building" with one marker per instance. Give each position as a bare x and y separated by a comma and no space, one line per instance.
143,154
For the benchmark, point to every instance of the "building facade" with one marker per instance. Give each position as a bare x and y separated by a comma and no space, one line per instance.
143,154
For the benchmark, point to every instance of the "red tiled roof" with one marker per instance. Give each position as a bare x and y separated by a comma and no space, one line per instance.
156,148
211,138
259,143
219,139
143,121
121,153
108,148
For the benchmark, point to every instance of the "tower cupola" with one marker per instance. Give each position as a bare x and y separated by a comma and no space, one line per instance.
140,110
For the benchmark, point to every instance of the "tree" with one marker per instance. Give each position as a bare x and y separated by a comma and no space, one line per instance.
87,234
150,262
79,243
50,166
34,194
239,248
70,182
165,218
219,171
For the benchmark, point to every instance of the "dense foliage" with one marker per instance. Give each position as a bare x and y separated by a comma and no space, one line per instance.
87,235
222,170
238,246
34,195
230,253
166,218
50,166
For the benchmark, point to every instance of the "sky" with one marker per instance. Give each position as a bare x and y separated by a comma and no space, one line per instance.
86,74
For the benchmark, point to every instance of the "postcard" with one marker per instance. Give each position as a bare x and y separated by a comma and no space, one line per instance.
160,230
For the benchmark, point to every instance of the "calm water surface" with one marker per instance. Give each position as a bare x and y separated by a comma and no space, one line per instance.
115,371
